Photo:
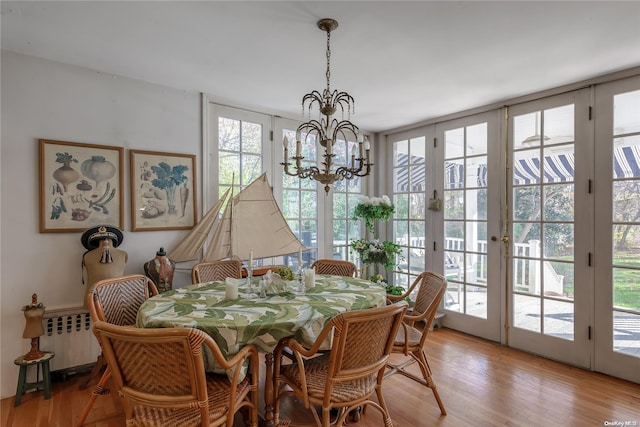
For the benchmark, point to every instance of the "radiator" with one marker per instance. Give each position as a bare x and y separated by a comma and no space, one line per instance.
67,332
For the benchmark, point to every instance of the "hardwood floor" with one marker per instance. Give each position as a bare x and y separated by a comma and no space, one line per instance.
481,384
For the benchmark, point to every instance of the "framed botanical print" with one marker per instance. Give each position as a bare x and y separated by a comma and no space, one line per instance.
163,190
80,186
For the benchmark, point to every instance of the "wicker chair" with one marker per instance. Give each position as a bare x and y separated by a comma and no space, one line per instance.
216,271
260,271
160,373
115,301
345,377
335,267
411,339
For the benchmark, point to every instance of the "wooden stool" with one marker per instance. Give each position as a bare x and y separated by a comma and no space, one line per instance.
24,386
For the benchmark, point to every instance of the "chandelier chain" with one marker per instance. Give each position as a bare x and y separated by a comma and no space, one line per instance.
328,61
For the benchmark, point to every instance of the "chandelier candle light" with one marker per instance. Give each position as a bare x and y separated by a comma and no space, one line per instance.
327,129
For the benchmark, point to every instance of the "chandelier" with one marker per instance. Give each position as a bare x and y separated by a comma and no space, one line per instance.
326,129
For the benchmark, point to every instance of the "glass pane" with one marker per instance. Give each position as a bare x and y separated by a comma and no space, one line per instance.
476,204
477,139
559,319
416,260
526,167
454,298
340,152
401,232
558,125
454,174
626,289
559,279
476,301
526,203
290,181
251,138
558,165
526,239
290,204
228,167
626,161
526,130
401,202
454,143
417,177
476,269
477,236
559,202
626,203
339,232
454,235
454,265
452,271
558,241
354,229
309,147
251,168
401,153
308,204
526,276
526,312
308,184
417,234
626,325
417,150
400,180
417,208
476,172
339,205
626,240
228,134
454,204
626,113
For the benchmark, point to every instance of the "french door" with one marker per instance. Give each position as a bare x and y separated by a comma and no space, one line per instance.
617,252
550,238
469,181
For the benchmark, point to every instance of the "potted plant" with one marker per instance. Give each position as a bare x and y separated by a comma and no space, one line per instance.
375,252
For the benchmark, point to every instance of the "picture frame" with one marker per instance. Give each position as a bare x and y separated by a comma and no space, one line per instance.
80,186
163,190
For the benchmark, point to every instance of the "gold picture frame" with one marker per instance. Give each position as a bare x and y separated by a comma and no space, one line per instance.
80,186
163,190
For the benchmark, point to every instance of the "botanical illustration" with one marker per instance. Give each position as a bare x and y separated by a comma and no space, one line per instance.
80,186
163,190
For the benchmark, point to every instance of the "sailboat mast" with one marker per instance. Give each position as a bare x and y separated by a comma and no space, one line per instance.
232,244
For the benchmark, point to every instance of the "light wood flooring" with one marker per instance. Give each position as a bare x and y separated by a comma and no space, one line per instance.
481,384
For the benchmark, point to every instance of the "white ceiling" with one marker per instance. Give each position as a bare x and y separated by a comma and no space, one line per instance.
403,62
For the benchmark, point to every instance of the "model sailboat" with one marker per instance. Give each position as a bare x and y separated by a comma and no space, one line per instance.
251,223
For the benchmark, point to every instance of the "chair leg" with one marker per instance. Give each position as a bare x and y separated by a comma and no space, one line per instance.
98,391
97,371
421,358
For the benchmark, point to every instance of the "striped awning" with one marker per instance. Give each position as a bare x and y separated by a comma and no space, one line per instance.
556,168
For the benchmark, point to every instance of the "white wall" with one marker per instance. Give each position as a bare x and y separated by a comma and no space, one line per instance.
45,99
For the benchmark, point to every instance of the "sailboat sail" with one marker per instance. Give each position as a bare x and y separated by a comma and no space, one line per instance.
190,248
253,222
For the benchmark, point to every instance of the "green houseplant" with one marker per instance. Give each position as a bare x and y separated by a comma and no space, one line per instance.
375,252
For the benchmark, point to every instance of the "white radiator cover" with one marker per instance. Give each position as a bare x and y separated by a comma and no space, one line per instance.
67,332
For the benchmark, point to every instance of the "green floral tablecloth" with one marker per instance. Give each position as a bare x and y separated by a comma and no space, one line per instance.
260,321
